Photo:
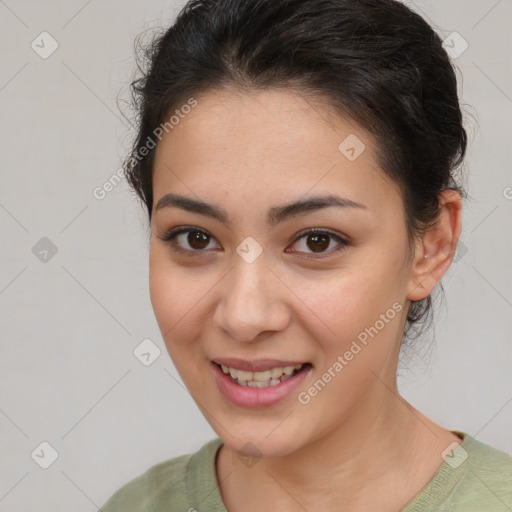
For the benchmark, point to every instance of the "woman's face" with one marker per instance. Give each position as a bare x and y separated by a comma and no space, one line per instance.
251,283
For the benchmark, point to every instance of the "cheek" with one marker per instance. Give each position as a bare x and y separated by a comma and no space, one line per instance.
176,299
175,296
162,290
365,317
362,304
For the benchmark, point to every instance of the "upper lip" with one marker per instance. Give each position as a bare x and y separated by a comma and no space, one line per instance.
257,365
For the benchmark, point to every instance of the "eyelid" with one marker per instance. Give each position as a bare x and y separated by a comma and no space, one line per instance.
171,233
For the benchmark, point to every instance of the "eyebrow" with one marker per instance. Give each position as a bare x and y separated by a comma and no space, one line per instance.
276,214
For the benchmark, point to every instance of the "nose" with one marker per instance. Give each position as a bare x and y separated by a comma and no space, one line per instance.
252,302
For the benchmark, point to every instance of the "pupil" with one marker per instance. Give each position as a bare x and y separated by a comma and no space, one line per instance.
319,240
196,238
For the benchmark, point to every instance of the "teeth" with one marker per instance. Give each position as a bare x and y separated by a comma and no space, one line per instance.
256,384
275,373
261,379
259,376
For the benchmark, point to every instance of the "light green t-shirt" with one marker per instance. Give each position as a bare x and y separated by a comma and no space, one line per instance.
475,478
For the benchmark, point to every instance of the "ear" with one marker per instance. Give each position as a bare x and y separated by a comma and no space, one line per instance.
436,249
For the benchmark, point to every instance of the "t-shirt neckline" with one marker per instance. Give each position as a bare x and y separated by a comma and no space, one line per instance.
202,469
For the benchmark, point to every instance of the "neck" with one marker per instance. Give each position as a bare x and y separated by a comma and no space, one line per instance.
380,445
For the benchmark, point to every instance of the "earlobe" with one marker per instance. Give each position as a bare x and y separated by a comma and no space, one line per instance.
435,251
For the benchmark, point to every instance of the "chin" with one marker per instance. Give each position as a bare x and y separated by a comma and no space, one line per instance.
259,444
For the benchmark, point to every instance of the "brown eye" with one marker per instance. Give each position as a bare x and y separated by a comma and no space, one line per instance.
318,241
187,239
197,239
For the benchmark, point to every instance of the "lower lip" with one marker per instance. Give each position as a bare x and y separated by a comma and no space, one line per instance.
255,398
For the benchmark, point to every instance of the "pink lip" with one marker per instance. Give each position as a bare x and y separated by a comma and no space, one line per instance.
255,398
258,365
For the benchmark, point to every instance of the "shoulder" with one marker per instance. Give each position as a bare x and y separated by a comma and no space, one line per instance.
486,477
489,464
164,485
475,477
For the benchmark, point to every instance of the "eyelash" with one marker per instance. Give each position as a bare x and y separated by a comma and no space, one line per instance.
170,235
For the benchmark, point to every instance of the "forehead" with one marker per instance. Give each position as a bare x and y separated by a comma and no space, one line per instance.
272,144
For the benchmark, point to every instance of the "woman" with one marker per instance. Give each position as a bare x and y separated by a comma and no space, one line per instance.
298,159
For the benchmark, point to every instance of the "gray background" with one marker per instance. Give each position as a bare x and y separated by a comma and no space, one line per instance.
71,320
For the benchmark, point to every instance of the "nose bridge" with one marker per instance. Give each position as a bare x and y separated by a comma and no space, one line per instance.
250,301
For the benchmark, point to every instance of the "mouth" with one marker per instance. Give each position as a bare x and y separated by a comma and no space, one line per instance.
273,376
268,385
